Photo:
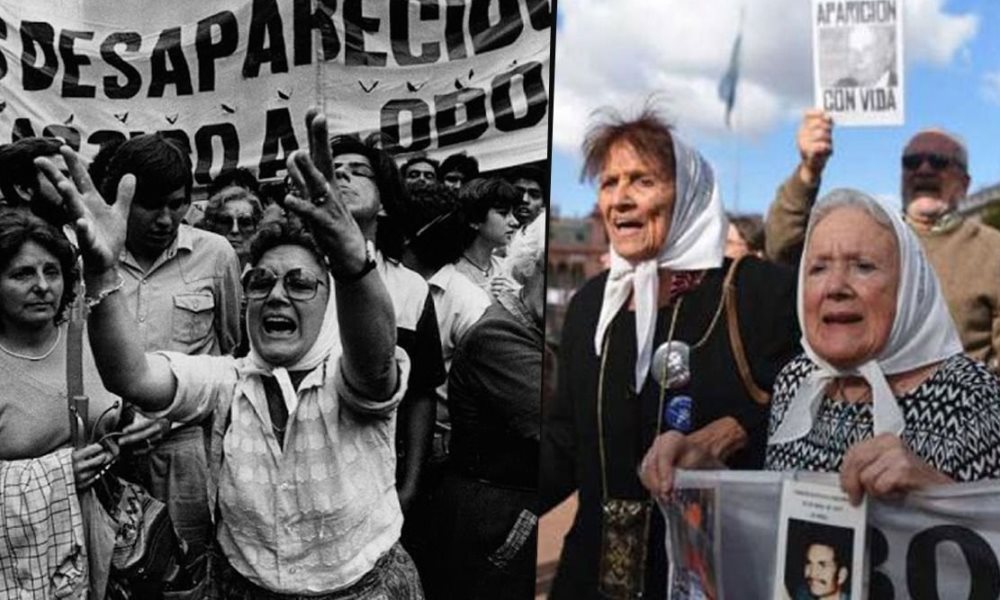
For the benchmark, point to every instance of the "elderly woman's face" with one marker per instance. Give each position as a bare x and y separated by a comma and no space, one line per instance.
850,286
283,328
237,223
31,287
636,199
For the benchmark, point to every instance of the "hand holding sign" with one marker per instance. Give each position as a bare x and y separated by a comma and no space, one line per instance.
671,451
815,142
884,467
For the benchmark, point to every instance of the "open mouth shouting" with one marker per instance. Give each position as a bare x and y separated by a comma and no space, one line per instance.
279,326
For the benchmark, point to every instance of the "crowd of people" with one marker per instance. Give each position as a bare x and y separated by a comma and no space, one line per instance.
292,389
841,335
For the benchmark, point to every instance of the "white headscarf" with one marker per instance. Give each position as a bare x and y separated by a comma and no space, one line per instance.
696,240
923,332
327,342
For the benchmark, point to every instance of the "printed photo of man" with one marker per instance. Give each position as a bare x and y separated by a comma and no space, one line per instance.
818,563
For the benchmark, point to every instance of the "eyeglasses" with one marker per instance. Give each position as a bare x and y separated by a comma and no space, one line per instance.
299,285
244,222
938,162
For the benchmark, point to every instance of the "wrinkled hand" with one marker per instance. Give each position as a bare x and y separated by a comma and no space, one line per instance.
90,462
885,468
319,204
815,142
671,451
100,228
720,438
144,434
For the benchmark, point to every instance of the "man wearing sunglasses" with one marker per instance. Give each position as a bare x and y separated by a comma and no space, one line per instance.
934,177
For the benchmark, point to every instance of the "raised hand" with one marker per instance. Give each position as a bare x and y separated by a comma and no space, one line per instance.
319,204
319,143
815,142
100,228
885,467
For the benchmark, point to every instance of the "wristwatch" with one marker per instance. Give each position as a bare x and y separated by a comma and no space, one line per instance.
369,265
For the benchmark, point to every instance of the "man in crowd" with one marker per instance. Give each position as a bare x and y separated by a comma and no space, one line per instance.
183,288
458,169
420,170
965,254
530,183
370,183
21,182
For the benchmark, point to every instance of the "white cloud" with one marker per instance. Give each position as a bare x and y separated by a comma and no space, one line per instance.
617,53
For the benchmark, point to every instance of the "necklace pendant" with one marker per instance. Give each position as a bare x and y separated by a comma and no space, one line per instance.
671,366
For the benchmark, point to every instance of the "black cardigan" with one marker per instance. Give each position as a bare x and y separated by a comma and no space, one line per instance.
569,450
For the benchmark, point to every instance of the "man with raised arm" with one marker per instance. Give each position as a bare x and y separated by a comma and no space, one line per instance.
964,253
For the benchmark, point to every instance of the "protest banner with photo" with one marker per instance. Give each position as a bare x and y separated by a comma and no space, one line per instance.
858,67
232,79
941,543
820,543
693,549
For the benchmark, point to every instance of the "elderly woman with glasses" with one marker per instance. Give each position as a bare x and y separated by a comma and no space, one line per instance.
234,210
883,394
301,458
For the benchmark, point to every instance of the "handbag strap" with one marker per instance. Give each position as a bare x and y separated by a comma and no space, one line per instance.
736,340
74,377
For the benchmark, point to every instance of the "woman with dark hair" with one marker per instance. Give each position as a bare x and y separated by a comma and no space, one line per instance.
488,205
488,505
301,460
41,525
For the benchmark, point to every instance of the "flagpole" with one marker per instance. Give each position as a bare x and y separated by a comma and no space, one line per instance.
739,122
739,162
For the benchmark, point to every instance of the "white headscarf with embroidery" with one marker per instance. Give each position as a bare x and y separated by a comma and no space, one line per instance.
923,332
696,241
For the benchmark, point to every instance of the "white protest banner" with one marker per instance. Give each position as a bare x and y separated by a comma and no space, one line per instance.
942,543
858,60
472,76
232,79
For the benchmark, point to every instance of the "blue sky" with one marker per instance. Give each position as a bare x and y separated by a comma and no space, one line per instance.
679,49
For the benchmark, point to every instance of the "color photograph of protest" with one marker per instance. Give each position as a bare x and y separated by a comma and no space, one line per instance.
773,258
271,297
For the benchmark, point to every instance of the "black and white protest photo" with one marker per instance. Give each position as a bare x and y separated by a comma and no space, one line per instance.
272,284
